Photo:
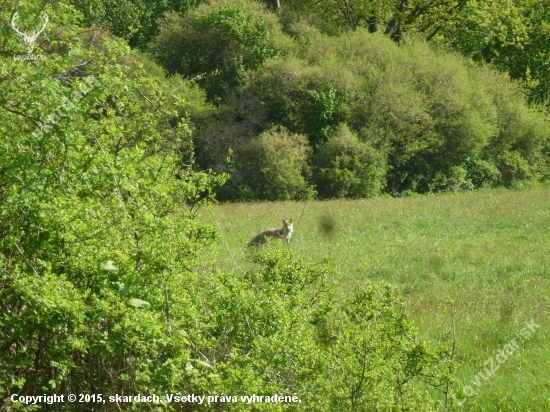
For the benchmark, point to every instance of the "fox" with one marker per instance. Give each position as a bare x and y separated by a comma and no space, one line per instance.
284,233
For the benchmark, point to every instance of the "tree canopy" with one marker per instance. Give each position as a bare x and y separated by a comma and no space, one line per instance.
435,120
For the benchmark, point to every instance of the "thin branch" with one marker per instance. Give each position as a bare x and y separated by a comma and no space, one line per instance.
149,100
167,309
188,81
27,260
34,119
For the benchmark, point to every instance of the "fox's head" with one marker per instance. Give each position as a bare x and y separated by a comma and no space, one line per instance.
287,226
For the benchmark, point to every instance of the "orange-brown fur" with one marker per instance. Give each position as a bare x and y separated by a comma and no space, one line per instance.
284,233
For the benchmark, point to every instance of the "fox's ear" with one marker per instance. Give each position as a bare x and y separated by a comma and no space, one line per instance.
284,222
290,221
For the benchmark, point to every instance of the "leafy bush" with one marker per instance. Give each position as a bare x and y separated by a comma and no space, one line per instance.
137,21
86,192
227,126
360,352
219,41
347,167
514,167
276,165
481,173
455,180
429,111
299,97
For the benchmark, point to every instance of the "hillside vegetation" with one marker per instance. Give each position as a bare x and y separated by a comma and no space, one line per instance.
352,114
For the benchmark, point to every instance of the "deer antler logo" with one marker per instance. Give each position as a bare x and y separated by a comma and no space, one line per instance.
29,39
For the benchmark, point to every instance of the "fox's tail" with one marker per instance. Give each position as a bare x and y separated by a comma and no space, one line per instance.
255,241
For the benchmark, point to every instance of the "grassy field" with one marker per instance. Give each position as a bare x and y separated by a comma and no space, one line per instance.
488,251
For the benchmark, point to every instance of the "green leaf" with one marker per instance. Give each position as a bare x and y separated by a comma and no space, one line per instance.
123,289
206,364
138,303
108,265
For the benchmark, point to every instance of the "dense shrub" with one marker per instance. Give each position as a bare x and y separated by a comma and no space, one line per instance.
298,96
440,122
339,353
218,41
96,223
455,180
276,165
135,20
481,173
347,167
433,113
227,126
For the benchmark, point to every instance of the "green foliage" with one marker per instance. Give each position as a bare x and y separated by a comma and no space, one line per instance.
455,180
481,173
299,97
360,352
355,334
432,114
348,167
391,17
223,128
514,167
91,174
137,21
440,122
276,165
324,103
220,42
510,36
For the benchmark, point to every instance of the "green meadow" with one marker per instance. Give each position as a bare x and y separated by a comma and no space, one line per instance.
482,255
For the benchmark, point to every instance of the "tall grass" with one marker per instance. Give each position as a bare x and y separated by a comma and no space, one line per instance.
487,251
